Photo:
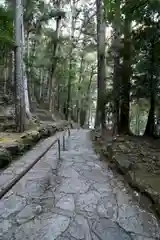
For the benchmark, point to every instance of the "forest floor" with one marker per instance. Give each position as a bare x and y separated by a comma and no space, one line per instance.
138,159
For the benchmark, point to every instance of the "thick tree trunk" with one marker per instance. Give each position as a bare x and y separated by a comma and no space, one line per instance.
20,104
12,68
87,99
150,127
53,68
25,81
90,82
116,45
77,112
82,117
125,83
116,93
100,109
78,101
137,128
41,83
5,72
68,105
58,97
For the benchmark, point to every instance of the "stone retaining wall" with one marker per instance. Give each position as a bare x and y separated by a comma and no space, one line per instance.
139,161
11,149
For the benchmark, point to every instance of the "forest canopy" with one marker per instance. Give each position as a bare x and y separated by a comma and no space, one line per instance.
92,61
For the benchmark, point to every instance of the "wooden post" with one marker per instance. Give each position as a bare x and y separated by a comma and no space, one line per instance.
63,143
59,149
69,133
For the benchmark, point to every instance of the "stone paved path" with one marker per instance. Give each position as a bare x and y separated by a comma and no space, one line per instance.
77,197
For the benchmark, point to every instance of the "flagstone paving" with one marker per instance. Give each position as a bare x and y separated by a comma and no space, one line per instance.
77,197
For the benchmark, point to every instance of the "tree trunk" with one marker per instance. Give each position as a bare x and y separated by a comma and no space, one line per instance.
25,81
100,109
137,128
12,68
58,97
82,117
150,127
28,71
20,104
53,68
116,72
5,90
68,105
90,82
68,110
125,83
41,83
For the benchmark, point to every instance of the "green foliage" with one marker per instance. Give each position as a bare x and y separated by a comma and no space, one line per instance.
146,40
6,30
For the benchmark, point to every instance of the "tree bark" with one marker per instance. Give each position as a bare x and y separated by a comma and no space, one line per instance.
116,45
68,108
20,104
100,109
68,105
53,67
25,81
85,102
125,83
82,117
116,94
150,127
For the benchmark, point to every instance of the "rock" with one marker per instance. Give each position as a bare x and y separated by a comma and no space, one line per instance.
66,203
43,132
129,218
54,129
11,205
105,229
147,184
27,140
108,207
5,157
30,138
109,151
9,127
5,225
123,163
124,148
79,228
70,186
88,202
121,139
48,227
28,213
35,136
13,148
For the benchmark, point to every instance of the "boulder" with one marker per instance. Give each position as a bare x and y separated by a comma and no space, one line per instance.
30,138
109,151
147,184
13,148
123,163
43,132
5,157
